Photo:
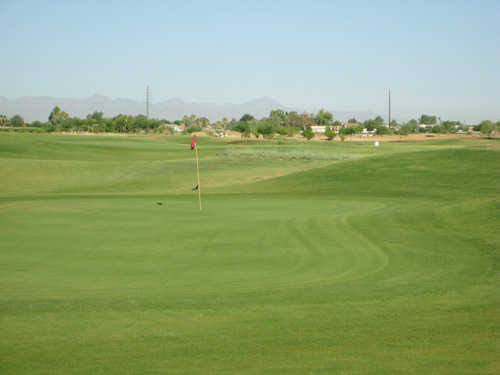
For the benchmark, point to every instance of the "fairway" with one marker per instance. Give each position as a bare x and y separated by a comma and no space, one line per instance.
308,257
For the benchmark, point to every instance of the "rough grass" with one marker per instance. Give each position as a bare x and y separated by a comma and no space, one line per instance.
385,263
284,155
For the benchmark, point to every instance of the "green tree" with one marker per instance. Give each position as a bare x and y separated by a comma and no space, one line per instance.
428,119
383,130
266,129
308,133
352,121
307,120
379,120
65,125
121,123
108,125
278,117
16,120
487,128
370,124
246,118
241,126
294,120
54,112
450,126
36,124
410,127
49,127
438,129
3,120
189,120
330,134
348,130
204,122
56,116
96,116
324,118
141,122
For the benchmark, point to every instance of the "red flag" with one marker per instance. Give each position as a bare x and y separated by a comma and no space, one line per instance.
193,142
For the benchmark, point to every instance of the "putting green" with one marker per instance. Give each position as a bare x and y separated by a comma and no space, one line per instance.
384,261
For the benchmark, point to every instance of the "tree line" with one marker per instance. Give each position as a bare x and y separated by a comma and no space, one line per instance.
277,122
60,121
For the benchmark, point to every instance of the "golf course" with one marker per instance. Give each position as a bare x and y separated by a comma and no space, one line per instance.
306,258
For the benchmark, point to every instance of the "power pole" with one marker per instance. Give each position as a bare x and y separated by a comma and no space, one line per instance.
148,98
389,108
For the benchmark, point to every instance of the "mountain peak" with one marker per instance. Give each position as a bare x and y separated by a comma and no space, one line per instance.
264,101
176,101
38,108
98,97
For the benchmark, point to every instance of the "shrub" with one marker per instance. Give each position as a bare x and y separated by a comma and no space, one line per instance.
16,120
348,130
488,128
383,130
241,127
308,133
266,129
282,131
330,134
194,128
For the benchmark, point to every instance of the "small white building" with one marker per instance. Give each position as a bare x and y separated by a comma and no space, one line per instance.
368,133
175,128
426,126
318,129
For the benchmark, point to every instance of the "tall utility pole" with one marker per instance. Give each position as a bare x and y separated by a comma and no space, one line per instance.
389,108
148,98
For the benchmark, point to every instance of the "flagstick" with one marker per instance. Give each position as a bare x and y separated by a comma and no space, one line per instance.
198,173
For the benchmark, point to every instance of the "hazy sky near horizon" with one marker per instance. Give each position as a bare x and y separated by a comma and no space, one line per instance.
437,57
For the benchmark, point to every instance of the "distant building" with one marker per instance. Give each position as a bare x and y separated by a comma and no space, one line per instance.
318,129
426,126
176,128
368,133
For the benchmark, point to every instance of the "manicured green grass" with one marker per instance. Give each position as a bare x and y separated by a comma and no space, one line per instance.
385,261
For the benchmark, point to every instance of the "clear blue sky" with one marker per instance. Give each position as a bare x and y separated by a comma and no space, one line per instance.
438,57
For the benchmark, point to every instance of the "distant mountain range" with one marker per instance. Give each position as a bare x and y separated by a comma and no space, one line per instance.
38,108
